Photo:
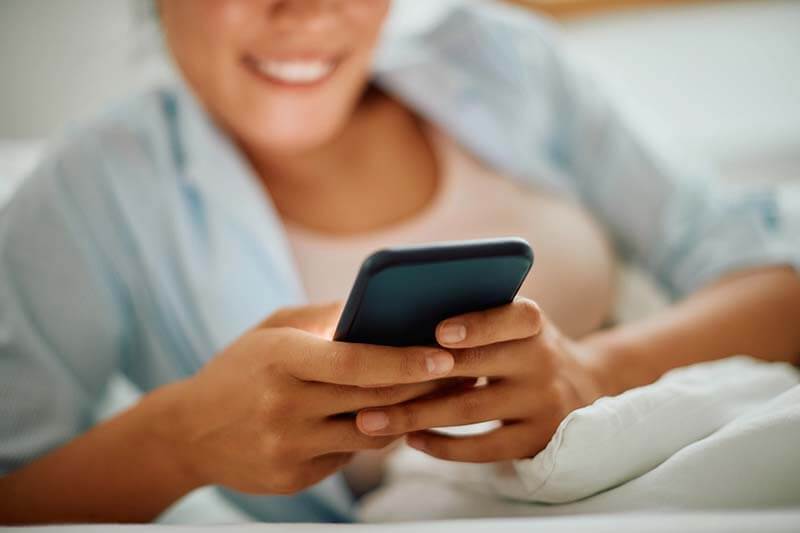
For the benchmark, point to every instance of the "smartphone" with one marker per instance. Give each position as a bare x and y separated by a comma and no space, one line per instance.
401,294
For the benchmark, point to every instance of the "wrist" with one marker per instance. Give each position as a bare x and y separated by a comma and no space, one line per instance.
166,427
613,361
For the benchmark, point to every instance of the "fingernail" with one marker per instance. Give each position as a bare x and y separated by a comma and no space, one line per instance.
440,363
452,332
372,421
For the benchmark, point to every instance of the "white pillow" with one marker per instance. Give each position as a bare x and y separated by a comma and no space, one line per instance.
620,438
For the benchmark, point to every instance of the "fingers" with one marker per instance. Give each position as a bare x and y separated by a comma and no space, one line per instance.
461,408
515,441
338,399
495,360
520,319
342,436
361,365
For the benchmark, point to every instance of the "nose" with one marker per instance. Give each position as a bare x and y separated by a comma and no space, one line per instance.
303,15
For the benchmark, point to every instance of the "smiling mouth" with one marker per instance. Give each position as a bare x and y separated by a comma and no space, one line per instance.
297,73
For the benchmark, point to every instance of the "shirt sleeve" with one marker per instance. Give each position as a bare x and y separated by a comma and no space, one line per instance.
61,318
664,209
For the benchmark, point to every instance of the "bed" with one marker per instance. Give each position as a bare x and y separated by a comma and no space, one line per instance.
742,522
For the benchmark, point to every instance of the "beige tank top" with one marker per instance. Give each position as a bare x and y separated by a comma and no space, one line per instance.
572,277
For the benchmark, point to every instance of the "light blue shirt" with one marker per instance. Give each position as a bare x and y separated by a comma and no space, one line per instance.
144,245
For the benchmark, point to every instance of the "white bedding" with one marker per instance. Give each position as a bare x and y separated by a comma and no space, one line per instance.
714,439
738,522
724,435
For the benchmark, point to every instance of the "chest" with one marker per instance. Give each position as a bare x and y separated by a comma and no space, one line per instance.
574,263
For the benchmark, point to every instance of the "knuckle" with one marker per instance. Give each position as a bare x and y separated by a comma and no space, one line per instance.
339,390
412,366
386,395
276,344
472,357
486,328
531,313
278,448
275,339
470,406
271,369
283,405
267,408
404,419
276,404
347,362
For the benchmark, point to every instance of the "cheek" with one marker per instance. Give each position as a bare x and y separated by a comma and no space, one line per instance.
203,38
368,13
366,19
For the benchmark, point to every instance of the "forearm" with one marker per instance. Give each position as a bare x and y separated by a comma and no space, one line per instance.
755,313
123,470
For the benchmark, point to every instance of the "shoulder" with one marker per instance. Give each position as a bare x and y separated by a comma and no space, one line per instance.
492,75
509,17
479,37
499,35
129,140
95,184
477,49
125,152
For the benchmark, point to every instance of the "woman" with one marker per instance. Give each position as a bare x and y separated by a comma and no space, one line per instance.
154,239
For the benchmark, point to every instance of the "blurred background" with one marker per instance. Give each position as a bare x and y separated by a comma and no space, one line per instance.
723,76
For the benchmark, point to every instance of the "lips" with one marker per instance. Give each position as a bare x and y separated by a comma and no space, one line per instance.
293,72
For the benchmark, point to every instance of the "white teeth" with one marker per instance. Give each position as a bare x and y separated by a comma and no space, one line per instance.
296,71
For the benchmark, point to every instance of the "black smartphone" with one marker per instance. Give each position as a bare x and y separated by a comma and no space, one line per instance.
401,294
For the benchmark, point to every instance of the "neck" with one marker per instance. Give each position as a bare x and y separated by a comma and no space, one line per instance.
378,170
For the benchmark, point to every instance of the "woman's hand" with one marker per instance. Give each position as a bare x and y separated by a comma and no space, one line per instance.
536,376
270,414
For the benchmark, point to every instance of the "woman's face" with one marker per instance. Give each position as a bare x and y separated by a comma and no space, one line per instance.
282,75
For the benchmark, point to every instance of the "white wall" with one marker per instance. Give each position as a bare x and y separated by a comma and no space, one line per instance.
724,75
62,59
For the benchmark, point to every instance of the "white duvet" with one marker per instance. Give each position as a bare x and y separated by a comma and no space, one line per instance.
721,435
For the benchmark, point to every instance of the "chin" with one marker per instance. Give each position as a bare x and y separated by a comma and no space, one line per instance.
281,125
294,139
